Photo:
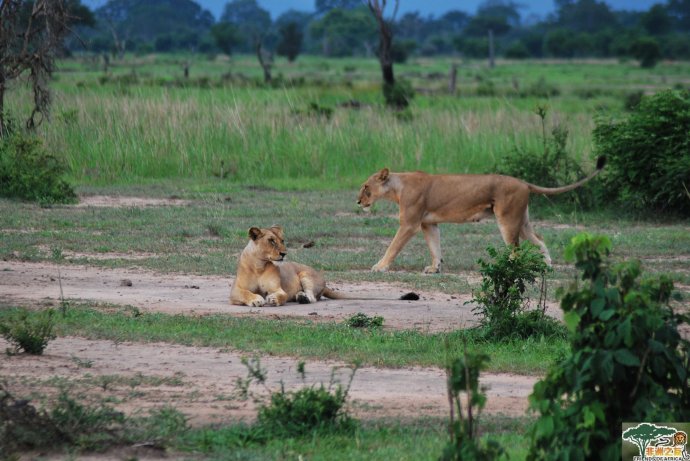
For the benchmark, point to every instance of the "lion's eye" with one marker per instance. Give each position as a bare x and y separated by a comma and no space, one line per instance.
272,242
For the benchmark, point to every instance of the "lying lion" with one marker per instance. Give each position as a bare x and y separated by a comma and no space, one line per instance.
263,280
425,200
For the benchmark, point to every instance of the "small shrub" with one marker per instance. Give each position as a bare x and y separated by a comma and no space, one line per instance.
463,377
28,333
362,320
501,300
627,360
647,51
517,50
398,95
540,89
632,100
28,172
296,413
648,155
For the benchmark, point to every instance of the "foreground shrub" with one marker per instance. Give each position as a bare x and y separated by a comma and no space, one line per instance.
28,172
648,154
28,333
501,300
72,423
628,361
465,445
287,414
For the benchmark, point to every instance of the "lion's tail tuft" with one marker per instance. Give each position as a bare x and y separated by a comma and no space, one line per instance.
411,296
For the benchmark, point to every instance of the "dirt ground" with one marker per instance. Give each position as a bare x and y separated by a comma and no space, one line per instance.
201,381
207,374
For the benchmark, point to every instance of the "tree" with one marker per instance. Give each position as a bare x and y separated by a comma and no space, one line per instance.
680,10
31,36
647,51
643,434
342,32
323,6
584,15
143,21
657,20
290,43
253,24
396,95
226,36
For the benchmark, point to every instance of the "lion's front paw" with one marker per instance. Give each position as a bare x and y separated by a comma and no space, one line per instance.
378,267
432,269
257,302
273,300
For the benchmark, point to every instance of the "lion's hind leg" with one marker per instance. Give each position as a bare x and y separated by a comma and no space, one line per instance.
311,288
527,233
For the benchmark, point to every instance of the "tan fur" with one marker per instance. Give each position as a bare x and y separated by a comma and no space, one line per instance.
264,279
425,200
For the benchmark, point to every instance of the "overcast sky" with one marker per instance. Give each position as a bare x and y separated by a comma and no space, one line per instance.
426,7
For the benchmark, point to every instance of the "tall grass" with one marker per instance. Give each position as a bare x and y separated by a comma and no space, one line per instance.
121,133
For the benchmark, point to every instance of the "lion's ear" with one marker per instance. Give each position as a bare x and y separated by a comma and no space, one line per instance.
278,231
255,233
383,175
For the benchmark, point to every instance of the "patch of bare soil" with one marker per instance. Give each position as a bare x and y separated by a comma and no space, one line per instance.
192,294
200,381
120,201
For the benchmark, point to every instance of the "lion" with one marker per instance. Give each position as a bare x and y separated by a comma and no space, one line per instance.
263,279
425,200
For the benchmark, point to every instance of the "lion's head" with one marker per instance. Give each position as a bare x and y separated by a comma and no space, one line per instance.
373,188
269,243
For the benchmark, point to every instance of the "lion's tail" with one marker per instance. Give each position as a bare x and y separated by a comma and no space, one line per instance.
601,161
331,294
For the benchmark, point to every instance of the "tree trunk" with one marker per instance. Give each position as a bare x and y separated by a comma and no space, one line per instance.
453,78
491,49
3,131
265,63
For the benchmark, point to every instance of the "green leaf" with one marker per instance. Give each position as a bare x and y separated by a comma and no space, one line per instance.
627,358
545,426
607,314
572,320
597,306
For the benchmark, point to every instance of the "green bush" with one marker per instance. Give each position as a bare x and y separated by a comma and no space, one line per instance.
28,172
648,154
30,333
627,362
294,413
362,320
302,412
398,95
552,167
647,51
501,300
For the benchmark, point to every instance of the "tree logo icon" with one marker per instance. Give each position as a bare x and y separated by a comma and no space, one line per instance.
658,442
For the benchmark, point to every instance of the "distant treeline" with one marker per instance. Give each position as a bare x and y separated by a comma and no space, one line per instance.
335,28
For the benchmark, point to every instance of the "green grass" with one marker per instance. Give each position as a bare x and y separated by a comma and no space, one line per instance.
124,133
207,236
378,440
305,339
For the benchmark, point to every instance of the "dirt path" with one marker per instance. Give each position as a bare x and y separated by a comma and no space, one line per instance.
190,294
199,381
